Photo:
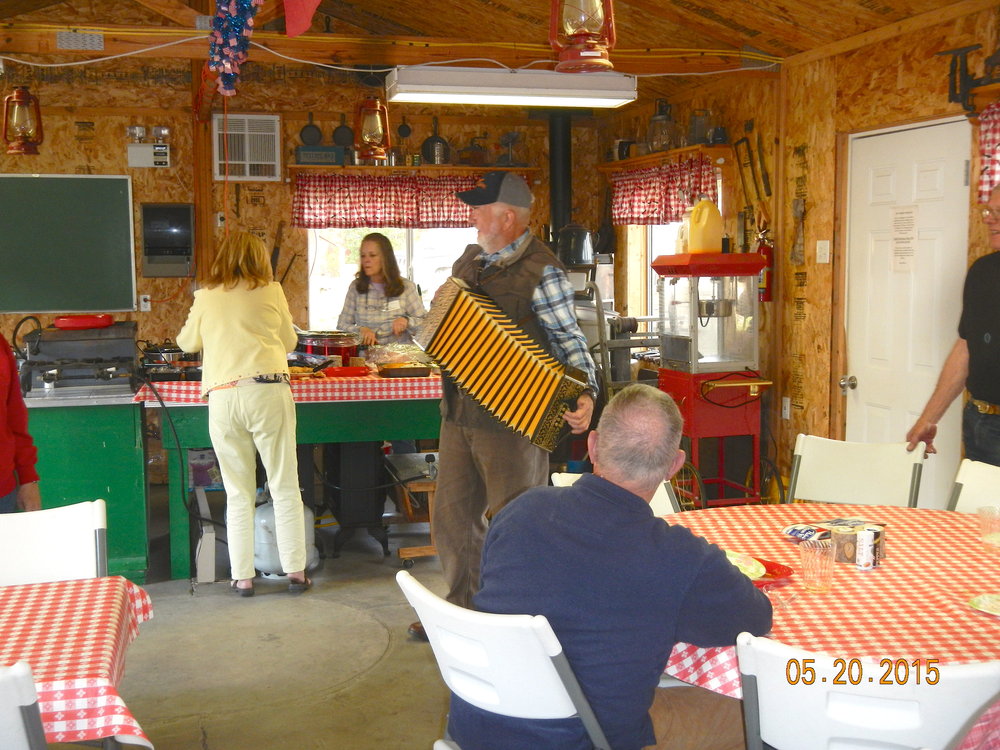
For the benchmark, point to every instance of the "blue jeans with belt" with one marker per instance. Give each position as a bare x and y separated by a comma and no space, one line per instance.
981,435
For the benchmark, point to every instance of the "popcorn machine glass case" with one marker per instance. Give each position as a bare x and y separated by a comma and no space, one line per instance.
708,364
710,319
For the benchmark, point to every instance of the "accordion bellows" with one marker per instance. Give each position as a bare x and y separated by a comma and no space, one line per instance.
498,365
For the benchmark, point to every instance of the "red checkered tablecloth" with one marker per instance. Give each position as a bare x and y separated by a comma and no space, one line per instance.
74,635
913,606
365,388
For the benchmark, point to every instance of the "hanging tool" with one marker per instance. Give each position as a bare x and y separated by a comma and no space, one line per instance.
288,268
276,251
765,178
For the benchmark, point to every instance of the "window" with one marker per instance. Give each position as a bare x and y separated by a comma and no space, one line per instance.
425,256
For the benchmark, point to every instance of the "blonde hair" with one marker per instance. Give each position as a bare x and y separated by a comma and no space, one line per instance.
240,257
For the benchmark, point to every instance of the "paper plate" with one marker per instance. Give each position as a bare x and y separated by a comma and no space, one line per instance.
988,603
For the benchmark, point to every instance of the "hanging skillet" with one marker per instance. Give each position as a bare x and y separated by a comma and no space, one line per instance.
435,149
342,134
310,134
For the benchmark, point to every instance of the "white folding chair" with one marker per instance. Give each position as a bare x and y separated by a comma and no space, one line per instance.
976,484
20,719
57,544
782,710
510,665
838,471
664,500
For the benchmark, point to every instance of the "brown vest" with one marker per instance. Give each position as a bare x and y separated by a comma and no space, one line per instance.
510,283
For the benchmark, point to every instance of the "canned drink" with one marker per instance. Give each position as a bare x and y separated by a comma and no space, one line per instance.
844,544
865,556
879,541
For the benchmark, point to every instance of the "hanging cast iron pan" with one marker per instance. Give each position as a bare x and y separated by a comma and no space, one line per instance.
342,134
435,149
310,134
404,130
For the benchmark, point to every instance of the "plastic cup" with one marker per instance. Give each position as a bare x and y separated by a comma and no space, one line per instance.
989,527
816,562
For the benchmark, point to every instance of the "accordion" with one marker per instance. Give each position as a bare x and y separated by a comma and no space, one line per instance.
498,365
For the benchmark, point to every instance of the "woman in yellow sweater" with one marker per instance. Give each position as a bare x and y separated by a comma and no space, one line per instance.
241,324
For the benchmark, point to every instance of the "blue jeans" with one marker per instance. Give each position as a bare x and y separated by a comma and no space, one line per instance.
8,503
981,435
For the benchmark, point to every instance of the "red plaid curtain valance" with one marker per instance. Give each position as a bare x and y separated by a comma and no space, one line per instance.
659,195
350,201
989,151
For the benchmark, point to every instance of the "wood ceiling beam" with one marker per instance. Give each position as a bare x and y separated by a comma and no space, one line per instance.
270,12
172,10
11,8
338,50
354,14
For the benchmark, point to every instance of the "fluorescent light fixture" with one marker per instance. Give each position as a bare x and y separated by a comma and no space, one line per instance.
439,84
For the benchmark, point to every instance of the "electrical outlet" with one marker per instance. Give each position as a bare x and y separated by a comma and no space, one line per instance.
145,303
220,219
786,407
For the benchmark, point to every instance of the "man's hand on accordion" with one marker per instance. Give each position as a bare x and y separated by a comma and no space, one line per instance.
579,420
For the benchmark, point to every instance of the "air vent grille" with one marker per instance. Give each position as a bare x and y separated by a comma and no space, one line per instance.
249,145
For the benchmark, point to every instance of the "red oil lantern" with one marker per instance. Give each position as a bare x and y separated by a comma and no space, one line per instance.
371,128
582,32
22,122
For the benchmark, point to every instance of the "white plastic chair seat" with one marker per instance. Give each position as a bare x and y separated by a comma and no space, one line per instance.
976,484
664,501
839,471
20,720
57,544
512,665
787,715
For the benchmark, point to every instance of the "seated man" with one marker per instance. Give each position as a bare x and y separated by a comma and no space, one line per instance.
620,587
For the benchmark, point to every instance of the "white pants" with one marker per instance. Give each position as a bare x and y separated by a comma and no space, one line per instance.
262,417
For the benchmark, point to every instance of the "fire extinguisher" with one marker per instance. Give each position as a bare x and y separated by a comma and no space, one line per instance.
765,280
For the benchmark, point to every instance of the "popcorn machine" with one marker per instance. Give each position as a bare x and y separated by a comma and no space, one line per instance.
708,362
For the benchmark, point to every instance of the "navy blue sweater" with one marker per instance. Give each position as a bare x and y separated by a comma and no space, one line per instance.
620,588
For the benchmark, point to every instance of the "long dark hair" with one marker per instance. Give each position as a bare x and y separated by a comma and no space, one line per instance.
390,269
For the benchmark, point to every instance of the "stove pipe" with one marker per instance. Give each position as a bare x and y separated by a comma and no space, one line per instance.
560,172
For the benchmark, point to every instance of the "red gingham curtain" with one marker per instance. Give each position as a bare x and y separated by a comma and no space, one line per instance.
659,195
989,150
409,201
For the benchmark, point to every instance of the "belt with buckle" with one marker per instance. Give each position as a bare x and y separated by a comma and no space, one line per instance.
985,407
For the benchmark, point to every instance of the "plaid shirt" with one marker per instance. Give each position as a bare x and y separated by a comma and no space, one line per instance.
373,310
552,303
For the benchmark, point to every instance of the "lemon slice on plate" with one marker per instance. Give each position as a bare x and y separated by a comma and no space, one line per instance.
748,566
989,603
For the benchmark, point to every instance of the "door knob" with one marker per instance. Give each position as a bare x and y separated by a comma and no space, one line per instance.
848,381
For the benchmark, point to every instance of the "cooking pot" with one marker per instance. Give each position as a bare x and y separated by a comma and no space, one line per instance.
167,353
715,308
329,344
575,246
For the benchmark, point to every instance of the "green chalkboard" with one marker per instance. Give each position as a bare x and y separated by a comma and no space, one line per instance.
66,244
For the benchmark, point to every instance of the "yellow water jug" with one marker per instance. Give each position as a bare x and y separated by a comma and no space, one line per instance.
705,233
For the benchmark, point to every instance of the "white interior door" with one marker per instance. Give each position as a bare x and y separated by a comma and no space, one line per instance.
907,255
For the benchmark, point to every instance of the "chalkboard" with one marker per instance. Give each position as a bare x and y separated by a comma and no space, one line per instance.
66,244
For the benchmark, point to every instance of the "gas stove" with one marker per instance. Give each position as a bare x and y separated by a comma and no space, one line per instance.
47,375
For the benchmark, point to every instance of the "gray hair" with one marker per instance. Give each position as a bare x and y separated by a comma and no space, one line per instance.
639,434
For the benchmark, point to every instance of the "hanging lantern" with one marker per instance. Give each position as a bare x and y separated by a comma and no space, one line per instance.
582,32
371,128
22,122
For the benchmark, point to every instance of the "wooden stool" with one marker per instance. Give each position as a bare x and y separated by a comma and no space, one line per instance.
401,466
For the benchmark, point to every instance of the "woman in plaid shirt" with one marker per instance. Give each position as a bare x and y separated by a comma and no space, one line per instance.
381,306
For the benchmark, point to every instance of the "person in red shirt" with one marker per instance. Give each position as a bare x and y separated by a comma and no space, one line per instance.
18,478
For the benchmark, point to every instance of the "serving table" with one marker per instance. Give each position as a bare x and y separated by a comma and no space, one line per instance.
913,606
328,410
73,635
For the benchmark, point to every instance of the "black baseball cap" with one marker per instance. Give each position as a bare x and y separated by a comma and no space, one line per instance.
498,187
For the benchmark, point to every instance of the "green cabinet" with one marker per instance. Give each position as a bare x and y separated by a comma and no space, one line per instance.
90,452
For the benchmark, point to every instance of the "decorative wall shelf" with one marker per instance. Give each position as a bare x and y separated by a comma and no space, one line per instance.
720,155
984,96
428,169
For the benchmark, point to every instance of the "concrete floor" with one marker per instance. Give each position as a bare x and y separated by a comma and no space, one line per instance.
332,668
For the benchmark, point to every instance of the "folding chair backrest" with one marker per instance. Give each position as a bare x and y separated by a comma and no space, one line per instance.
664,501
839,471
976,484
785,712
510,665
20,720
57,544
